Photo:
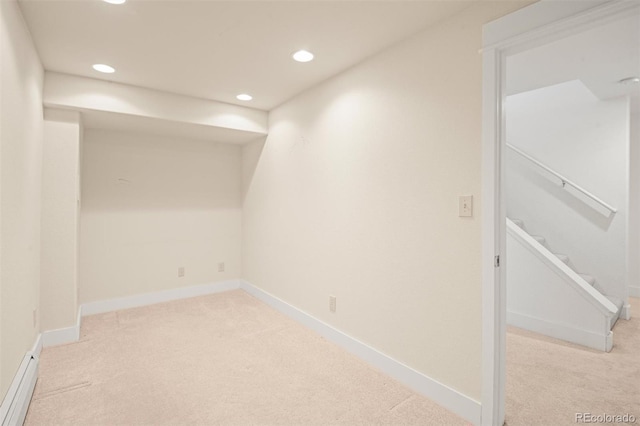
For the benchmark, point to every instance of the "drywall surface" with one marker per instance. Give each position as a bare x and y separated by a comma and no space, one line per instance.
355,194
634,198
60,219
20,183
87,93
585,139
106,104
151,205
572,315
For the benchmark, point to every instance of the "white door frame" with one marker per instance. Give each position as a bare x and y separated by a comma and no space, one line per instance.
532,26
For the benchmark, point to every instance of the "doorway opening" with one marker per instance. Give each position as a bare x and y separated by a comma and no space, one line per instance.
560,210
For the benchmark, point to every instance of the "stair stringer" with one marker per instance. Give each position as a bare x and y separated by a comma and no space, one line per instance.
547,296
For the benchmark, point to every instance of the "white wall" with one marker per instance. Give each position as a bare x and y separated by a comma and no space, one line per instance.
20,181
355,194
634,198
587,140
106,104
151,205
577,316
60,219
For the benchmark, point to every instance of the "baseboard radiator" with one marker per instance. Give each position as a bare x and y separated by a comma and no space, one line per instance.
16,402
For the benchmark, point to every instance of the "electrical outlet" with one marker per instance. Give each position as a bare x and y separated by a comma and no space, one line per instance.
181,271
465,206
332,303
221,267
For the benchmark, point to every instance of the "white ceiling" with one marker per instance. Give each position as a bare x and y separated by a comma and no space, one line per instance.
218,49
599,57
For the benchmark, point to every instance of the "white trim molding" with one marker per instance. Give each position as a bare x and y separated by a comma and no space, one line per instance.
532,26
625,314
460,404
65,335
563,332
61,336
562,270
138,300
37,346
449,398
71,334
494,304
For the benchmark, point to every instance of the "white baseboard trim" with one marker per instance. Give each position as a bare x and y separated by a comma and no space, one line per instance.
451,399
65,335
16,401
563,332
634,291
626,312
37,346
138,300
72,334
462,405
61,336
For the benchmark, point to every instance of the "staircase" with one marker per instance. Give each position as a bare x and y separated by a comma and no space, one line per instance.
546,295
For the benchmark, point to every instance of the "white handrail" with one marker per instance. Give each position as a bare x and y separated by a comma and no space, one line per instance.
563,179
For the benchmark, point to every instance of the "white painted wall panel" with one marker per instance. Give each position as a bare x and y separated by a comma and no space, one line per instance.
587,140
151,205
20,184
60,219
355,194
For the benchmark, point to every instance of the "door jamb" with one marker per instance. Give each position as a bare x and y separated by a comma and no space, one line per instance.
529,27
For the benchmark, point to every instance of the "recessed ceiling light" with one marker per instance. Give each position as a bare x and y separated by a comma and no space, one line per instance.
115,1
104,68
630,80
244,97
303,56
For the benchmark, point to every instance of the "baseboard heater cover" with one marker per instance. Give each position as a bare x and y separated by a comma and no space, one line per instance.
16,402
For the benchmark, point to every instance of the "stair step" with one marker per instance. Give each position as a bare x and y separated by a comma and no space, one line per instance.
518,222
588,278
619,303
539,239
563,257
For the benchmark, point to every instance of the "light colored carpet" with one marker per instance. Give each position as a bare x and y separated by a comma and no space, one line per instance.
224,359
549,381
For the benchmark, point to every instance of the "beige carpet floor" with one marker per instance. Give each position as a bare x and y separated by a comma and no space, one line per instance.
549,381
224,359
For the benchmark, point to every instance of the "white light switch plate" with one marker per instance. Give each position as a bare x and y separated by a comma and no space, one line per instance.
465,206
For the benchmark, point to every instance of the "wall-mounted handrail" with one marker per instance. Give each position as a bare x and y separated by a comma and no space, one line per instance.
563,179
